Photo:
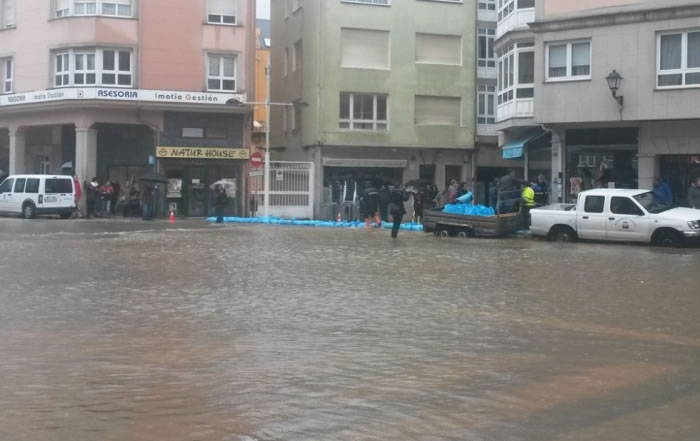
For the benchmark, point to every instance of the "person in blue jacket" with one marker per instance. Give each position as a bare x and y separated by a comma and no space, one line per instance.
662,191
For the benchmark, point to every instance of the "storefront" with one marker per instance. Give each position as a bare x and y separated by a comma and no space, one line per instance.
601,158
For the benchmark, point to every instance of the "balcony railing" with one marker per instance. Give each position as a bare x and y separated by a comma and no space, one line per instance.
519,18
516,108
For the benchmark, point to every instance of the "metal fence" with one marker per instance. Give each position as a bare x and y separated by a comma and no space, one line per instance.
291,190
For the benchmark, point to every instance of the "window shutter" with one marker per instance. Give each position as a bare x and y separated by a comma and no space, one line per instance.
365,49
222,7
581,54
440,49
10,11
437,111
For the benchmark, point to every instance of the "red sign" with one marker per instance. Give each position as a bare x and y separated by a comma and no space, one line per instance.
256,160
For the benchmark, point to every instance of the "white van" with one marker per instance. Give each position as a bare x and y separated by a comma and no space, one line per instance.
32,195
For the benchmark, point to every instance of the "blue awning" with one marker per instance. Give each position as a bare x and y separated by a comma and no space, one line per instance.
514,149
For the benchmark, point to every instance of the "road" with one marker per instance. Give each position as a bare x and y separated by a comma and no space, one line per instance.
191,332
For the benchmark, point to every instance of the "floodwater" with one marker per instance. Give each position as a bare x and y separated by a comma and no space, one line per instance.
132,331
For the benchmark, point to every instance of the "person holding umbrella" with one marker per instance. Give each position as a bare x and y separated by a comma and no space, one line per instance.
397,209
220,201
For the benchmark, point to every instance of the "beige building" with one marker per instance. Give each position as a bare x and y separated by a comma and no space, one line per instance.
114,88
653,129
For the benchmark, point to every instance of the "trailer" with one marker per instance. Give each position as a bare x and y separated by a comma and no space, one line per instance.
462,226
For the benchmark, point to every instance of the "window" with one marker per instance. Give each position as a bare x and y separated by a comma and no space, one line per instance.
625,206
525,4
516,73
369,2
485,56
83,7
438,111
487,5
19,185
192,132
568,61
116,67
294,118
116,8
285,123
297,56
62,69
32,186
84,71
7,66
103,67
110,8
215,133
58,186
221,73
486,104
221,12
6,186
505,8
439,49
363,111
594,204
8,13
679,59
286,61
364,49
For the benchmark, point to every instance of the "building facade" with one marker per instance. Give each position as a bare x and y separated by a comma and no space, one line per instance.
115,88
381,90
653,132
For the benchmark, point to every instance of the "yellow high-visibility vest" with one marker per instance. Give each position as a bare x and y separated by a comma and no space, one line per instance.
528,196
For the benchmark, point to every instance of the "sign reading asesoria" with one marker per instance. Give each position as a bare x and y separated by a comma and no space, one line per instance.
201,153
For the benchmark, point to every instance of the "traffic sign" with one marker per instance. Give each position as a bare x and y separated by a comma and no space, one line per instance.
256,160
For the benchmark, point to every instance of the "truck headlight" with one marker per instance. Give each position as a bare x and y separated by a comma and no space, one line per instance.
694,225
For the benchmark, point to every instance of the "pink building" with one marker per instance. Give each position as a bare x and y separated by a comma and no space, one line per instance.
116,88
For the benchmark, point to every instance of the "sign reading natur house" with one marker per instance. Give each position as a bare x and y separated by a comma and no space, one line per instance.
201,153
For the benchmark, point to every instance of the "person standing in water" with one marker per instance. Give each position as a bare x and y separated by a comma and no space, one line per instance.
397,209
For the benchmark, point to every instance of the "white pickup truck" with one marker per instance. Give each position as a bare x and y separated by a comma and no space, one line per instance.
617,215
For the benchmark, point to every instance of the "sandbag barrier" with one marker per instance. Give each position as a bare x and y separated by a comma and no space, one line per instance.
408,226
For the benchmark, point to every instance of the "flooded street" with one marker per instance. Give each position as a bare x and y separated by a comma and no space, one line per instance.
129,331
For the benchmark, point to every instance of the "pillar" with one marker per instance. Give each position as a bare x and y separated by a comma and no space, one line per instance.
85,156
17,151
558,180
647,171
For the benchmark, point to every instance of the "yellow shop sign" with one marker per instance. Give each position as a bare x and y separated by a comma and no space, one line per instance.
201,153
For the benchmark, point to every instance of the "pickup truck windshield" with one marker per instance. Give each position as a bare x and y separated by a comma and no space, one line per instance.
652,204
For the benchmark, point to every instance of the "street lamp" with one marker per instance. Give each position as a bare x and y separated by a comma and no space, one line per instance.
267,104
614,79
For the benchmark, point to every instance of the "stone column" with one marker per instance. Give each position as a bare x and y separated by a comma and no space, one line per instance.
558,186
17,151
647,171
85,157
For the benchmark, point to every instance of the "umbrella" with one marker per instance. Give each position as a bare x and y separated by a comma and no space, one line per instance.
67,165
153,177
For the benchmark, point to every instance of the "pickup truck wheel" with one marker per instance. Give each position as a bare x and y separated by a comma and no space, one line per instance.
463,235
668,238
28,211
563,234
443,234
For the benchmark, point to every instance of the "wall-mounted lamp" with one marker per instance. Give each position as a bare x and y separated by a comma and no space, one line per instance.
614,80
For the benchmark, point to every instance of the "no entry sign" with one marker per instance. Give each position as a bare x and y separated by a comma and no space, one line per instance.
256,160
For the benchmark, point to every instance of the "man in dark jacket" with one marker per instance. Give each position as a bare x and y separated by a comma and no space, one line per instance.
694,194
397,209
383,198
92,194
220,201
369,203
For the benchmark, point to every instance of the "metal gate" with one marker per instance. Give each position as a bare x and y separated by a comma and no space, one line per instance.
291,190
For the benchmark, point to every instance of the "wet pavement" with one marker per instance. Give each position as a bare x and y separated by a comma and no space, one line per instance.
135,331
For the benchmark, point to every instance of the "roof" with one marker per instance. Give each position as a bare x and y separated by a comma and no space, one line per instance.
263,26
615,191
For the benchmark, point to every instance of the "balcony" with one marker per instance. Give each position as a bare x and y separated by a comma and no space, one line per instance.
486,73
486,15
515,19
515,108
486,130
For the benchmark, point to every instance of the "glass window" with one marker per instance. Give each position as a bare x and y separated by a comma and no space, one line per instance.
569,60
525,4
486,105
8,13
215,133
221,73
487,5
116,67
557,61
19,185
594,204
221,12
58,186
486,56
620,205
437,111
679,59
32,186
526,68
439,49
363,111
364,49
7,69
62,66
192,132
84,70
580,59
6,186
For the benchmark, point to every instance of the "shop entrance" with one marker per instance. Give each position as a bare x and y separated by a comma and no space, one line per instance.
679,171
189,193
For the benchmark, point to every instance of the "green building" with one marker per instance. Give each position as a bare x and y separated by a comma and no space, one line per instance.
384,90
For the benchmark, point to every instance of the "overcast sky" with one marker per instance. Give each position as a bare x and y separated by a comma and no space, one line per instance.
263,8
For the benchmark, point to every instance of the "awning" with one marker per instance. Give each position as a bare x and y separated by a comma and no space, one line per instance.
514,149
